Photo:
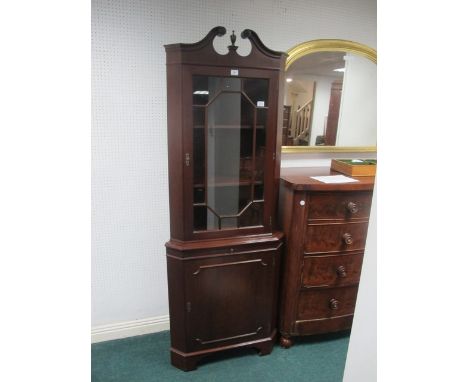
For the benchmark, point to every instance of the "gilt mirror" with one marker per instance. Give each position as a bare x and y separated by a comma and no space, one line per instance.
330,98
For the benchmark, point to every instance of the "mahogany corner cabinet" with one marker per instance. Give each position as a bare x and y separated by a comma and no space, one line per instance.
224,138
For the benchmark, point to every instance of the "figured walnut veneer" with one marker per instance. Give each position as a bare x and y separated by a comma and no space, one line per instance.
325,226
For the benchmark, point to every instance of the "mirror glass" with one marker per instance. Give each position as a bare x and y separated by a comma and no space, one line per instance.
330,99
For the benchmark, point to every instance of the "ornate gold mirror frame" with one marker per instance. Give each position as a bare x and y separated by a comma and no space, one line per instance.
315,46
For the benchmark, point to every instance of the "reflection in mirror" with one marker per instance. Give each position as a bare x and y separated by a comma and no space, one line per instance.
330,100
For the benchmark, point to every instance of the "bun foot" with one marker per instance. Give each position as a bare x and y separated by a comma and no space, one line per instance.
285,342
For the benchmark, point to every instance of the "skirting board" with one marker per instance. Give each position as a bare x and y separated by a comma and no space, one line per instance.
129,328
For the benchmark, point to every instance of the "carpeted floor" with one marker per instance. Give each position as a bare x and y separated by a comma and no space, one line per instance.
146,358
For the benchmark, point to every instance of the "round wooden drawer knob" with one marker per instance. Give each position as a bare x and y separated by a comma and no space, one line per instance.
352,207
348,239
341,271
334,303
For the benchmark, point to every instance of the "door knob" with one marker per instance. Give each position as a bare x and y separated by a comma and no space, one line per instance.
352,207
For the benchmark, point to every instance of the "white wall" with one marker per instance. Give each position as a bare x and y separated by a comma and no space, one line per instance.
358,110
303,97
130,207
321,106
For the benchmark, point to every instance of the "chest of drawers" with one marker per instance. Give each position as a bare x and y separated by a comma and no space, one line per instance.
325,226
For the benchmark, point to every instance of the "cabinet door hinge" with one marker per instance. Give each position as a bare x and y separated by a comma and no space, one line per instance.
189,307
274,156
187,159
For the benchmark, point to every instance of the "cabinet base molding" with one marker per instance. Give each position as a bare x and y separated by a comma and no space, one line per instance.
189,361
287,340
316,327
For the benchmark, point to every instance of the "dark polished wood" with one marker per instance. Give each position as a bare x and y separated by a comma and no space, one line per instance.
335,237
333,113
298,178
188,361
286,123
203,53
323,325
325,226
285,342
326,303
349,206
335,270
223,279
224,297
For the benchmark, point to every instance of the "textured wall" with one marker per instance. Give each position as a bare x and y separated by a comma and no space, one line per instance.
129,164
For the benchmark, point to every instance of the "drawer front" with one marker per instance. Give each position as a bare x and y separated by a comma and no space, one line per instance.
339,270
339,205
328,325
326,303
335,237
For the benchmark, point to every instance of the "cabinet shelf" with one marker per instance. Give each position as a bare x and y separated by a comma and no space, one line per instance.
229,183
257,107
204,204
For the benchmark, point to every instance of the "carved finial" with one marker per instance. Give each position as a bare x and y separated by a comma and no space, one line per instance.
233,38
233,41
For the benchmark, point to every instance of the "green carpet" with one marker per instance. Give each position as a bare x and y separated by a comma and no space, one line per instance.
146,358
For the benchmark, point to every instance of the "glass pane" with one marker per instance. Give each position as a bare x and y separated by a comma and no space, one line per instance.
229,149
200,216
199,194
258,192
200,90
252,216
257,90
260,144
198,146
229,152
261,120
229,222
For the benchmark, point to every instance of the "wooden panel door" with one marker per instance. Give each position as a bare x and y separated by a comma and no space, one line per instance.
229,299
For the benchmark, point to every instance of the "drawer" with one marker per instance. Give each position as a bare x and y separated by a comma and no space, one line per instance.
335,270
327,325
326,303
337,237
339,205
